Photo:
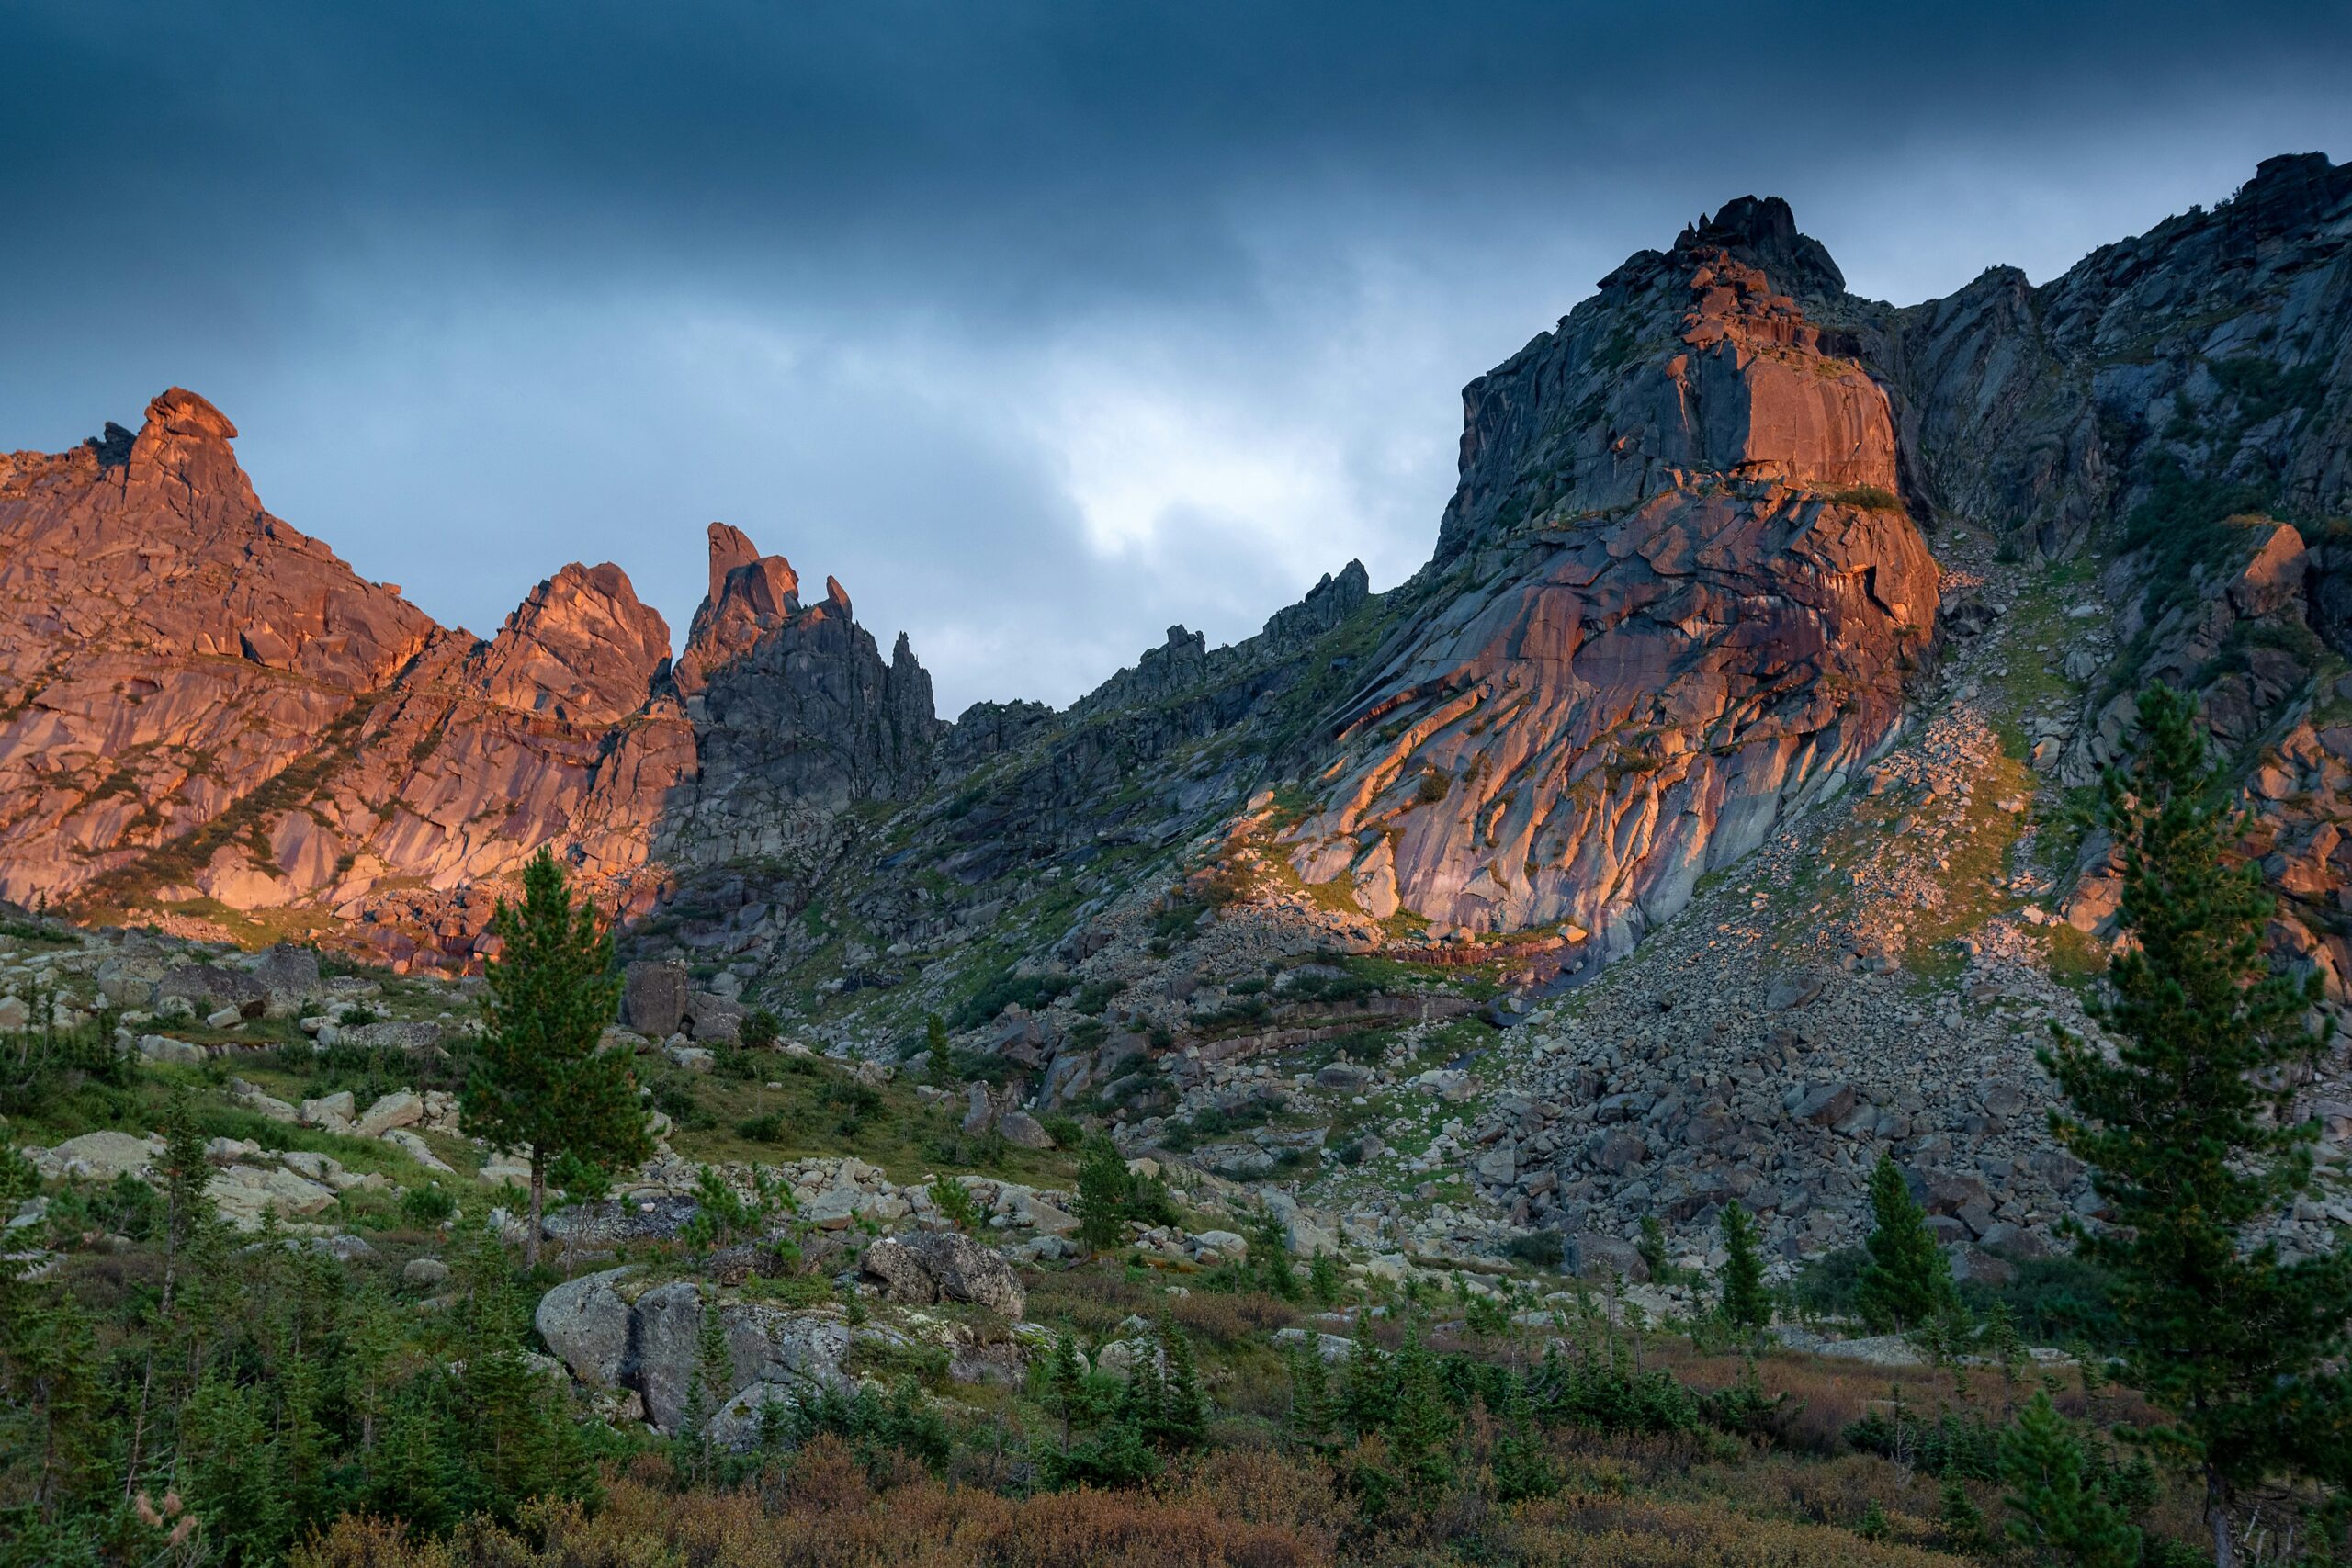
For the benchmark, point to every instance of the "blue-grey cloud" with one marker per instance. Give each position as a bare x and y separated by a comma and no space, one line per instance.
1041,325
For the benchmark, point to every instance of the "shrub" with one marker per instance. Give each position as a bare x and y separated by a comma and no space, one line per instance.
1005,989
427,1206
1536,1249
767,1128
760,1029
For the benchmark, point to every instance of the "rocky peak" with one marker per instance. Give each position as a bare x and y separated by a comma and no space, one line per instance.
2291,192
1330,602
1762,232
181,460
1677,596
1689,364
750,595
581,648
730,548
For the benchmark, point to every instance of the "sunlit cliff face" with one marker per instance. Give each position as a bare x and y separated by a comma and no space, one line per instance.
1690,600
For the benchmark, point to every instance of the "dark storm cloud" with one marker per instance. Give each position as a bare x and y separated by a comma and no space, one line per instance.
1042,326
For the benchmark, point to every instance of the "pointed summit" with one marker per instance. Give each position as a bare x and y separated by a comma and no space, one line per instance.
750,594
729,547
1762,231
582,648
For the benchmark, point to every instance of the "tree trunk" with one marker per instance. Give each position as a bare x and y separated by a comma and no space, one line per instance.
539,1204
2217,1515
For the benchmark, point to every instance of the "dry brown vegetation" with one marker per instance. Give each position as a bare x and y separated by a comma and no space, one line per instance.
1629,1503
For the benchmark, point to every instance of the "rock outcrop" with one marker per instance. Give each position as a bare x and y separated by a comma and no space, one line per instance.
2162,382
1677,594
199,703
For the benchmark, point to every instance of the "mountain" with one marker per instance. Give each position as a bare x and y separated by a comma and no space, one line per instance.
1693,825
1685,589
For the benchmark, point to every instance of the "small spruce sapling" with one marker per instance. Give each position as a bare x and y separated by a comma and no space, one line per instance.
1746,1303
1906,1284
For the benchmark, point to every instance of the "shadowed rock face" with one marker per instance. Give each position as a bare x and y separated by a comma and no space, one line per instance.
1679,596
2204,366
796,714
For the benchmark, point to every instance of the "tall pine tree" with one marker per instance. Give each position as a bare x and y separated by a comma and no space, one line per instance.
538,1078
2194,1141
1422,1425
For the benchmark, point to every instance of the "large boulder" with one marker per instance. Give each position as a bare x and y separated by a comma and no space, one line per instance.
1595,1255
102,1156
391,1034
586,1322
245,1194
207,987
713,1019
945,1266
615,1221
794,1353
290,975
653,998
401,1107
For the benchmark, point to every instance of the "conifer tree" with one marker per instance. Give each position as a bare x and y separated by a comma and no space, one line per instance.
2195,1143
1907,1280
1145,1401
1309,1422
408,1475
954,1203
1962,1520
2006,1347
1065,1383
1270,1254
1102,1204
188,1209
51,1404
943,1056
1522,1468
2060,1511
539,1079
302,1443
1183,1406
1421,1425
708,1387
1367,1392
1746,1304
1650,1246
1323,1278
231,1470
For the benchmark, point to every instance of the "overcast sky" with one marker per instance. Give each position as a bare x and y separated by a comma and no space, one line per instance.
1041,326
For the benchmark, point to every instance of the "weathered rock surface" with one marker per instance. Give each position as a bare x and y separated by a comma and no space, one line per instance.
202,701
613,1335
1682,597
945,1266
186,673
